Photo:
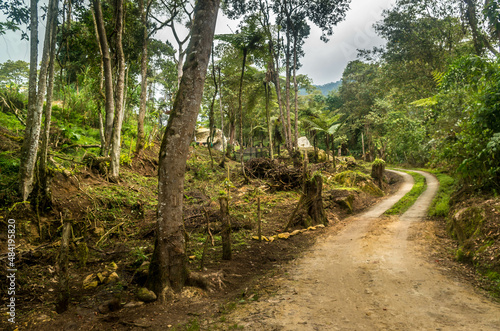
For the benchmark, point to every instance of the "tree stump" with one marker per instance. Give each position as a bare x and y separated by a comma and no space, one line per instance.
226,229
310,210
378,168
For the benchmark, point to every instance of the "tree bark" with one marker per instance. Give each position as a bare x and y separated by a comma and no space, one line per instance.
120,93
310,210
144,81
62,269
287,93
296,96
168,270
268,119
378,169
108,76
29,148
240,110
277,84
27,155
43,180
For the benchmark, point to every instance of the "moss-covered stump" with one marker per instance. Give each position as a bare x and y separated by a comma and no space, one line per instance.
378,168
310,210
359,180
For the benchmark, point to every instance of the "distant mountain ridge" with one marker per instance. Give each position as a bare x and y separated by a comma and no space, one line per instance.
325,89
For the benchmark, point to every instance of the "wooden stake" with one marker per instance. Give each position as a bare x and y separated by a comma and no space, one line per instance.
62,269
363,144
226,229
259,220
205,245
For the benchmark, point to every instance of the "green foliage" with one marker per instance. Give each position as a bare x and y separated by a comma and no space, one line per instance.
9,120
467,136
440,205
9,164
409,199
14,72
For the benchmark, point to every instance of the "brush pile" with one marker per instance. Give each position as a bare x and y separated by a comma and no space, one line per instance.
280,176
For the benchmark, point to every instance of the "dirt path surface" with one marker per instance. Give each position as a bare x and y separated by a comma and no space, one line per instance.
371,276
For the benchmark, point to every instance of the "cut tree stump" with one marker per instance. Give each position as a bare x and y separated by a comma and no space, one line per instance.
310,210
378,168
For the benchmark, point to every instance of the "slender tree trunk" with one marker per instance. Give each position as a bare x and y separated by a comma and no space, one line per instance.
211,113
27,154
108,76
363,145
101,129
268,119
296,96
168,270
120,93
240,110
144,82
287,93
62,269
277,84
44,188
222,122
29,148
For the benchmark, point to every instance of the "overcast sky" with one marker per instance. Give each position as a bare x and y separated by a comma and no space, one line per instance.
323,62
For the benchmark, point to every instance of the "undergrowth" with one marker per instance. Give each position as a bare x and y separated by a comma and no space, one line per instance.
440,205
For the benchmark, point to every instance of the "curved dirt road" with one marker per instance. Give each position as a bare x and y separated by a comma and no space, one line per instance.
370,277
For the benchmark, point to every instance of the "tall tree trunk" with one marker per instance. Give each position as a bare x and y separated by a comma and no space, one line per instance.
277,84
222,123
287,93
120,92
44,189
27,154
109,105
144,81
211,113
240,110
296,96
29,148
268,119
168,270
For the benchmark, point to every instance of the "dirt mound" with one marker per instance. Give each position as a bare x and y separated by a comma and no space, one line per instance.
475,224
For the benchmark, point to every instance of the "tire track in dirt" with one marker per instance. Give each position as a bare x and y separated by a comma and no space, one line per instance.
369,277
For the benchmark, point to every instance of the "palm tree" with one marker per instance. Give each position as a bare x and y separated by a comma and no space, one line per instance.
326,124
250,39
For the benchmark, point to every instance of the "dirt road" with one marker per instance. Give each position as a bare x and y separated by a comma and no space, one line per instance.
371,276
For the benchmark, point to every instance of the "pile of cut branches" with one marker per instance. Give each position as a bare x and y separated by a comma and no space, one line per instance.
281,177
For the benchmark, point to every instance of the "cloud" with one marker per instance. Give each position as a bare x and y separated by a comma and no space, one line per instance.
325,62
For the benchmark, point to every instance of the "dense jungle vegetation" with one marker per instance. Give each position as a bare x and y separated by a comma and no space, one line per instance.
97,119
